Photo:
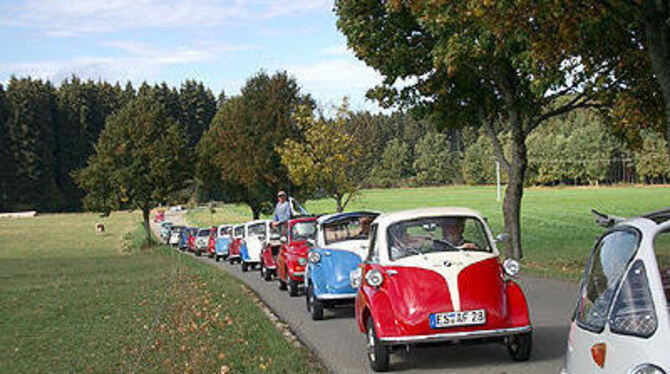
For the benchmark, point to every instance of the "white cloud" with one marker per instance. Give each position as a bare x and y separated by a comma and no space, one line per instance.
141,62
337,50
69,16
336,75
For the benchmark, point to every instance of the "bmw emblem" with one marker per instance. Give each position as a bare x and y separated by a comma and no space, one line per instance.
447,263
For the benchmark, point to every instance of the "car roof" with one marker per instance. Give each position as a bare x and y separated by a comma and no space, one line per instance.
257,221
659,216
404,215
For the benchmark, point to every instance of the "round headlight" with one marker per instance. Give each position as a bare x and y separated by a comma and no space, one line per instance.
374,278
302,261
511,267
647,369
313,257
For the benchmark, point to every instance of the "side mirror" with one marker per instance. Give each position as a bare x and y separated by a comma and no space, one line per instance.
502,237
283,239
512,267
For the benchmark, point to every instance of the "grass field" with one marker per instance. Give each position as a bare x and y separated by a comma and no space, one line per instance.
558,229
76,301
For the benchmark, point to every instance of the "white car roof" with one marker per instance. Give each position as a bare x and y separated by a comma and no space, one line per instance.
257,222
387,219
327,217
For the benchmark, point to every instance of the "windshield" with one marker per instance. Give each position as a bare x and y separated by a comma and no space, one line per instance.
350,228
257,229
203,232
301,231
662,250
436,234
193,232
225,231
239,231
606,268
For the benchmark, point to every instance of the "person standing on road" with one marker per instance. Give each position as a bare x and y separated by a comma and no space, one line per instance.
282,210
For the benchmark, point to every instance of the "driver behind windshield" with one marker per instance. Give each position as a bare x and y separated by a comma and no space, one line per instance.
452,232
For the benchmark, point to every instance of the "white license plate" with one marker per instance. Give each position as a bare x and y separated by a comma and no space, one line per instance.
453,319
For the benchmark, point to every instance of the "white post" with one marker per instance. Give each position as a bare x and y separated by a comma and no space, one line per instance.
498,181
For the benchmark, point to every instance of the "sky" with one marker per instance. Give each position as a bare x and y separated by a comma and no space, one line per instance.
219,42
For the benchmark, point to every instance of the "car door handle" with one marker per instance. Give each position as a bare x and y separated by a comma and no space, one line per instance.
391,273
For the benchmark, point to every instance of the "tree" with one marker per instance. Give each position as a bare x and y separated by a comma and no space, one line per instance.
634,38
464,63
651,161
7,167
326,159
479,165
30,129
246,132
197,108
140,161
394,167
434,162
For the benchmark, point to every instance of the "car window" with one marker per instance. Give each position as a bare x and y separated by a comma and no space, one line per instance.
225,231
239,231
301,231
436,234
257,230
203,233
603,275
351,228
662,250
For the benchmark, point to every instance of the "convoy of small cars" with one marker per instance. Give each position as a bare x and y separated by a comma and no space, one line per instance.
435,275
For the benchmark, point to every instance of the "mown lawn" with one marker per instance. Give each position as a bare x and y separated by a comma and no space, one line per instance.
76,301
558,228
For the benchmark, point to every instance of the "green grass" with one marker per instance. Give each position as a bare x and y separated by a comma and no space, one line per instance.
76,301
558,229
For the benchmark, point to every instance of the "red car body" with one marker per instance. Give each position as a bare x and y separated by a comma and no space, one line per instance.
235,244
292,257
416,287
211,244
190,242
268,263
159,217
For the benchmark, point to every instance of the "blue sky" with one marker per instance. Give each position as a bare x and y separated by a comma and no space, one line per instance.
219,42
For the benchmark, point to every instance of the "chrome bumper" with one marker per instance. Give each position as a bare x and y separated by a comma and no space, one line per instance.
336,296
443,337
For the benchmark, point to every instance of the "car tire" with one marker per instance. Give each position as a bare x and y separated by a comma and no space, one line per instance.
292,288
197,253
314,306
282,284
245,267
216,258
378,355
520,346
267,276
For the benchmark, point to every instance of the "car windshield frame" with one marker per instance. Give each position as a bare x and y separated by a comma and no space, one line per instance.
348,219
605,299
253,227
301,238
441,245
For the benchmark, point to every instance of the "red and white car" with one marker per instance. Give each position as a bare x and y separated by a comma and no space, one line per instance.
292,257
434,275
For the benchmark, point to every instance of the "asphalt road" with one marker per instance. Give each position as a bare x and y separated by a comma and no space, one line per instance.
338,343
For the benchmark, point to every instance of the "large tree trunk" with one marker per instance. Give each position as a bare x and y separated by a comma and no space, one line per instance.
513,195
255,210
657,31
338,200
146,212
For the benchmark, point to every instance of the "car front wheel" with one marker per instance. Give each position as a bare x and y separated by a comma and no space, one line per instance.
314,306
520,346
292,288
377,353
245,267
